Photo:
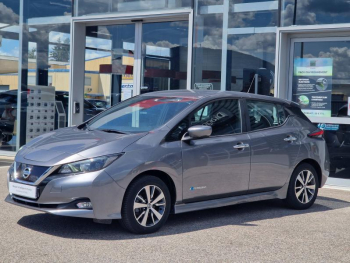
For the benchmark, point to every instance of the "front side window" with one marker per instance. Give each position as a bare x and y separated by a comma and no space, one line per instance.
223,116
139,114
264,115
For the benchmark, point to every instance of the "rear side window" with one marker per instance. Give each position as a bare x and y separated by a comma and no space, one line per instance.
296,111
264,115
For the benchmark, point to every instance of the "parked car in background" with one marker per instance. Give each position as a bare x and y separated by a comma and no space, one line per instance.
8,110
173,152
99,103
90,110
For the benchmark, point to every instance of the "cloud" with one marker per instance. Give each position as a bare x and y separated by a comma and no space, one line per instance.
310,12
163,43
55,36
341,58
93,54
8,16
208,31
304,14
99,43
262,46
13,53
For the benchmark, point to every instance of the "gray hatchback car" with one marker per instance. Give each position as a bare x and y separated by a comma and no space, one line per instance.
172,152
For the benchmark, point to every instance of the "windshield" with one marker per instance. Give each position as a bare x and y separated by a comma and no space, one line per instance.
140,114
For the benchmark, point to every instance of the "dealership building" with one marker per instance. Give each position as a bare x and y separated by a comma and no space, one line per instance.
62,59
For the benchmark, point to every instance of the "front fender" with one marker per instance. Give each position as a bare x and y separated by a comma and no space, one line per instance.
166,158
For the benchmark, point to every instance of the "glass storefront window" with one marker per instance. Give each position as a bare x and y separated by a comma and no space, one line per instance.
44,83
321,78
111,54
234,45
9,55
207,50
311,12
91,7
164,56
251,46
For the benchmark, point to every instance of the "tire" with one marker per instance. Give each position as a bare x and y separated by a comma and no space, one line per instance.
137,205
300,195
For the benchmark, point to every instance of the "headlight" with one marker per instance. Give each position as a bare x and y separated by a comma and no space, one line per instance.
89,165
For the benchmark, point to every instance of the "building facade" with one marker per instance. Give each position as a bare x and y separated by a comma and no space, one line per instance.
68,59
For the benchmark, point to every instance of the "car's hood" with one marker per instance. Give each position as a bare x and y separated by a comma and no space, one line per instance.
72,144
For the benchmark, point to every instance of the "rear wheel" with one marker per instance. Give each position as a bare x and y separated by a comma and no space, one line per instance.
146,205
303,187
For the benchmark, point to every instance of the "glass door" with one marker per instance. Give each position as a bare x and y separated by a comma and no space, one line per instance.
109,66
164,56
124,60
320,83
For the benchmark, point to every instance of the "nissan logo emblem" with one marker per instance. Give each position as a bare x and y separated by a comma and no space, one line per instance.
26,173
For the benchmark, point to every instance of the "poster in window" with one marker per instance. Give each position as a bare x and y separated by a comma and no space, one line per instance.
312,85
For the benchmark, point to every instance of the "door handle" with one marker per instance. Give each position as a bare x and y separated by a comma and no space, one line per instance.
241,146
290,139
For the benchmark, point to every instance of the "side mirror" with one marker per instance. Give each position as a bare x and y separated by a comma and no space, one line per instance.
198,132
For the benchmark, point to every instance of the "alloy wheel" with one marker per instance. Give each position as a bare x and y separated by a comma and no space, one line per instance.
305,186
149,206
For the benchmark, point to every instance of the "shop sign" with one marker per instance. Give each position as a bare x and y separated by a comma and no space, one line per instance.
312,85
204,86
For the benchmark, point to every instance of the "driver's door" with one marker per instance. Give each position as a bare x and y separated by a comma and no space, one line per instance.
217,166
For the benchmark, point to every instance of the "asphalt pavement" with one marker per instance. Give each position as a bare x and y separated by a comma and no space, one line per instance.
256,232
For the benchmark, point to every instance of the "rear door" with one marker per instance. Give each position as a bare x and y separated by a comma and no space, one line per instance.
217,166
274,145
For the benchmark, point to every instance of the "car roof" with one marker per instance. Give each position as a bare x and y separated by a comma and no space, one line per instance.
201,94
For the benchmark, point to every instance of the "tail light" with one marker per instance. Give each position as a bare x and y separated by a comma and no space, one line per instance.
316,134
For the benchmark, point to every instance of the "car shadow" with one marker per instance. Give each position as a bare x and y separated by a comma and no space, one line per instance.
243,214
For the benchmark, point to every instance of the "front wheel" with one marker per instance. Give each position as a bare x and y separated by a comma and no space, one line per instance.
303,187
146,205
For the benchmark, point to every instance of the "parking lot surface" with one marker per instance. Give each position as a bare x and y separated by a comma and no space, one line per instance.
256,232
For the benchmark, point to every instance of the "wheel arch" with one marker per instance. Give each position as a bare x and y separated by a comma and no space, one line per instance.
314,164
166,178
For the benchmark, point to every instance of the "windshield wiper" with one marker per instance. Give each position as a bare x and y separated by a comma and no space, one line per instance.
112,131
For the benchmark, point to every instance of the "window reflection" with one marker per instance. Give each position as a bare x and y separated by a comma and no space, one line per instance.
9,54
109,66
251,60
311,12
338,55
164,56
251,46
253,13
338,142
88,7
45,67
207,51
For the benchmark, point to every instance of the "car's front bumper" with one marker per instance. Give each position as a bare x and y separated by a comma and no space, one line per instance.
61,212
60,195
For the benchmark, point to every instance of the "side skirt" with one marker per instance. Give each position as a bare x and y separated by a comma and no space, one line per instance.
189,207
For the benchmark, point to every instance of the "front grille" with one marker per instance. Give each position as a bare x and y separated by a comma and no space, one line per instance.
33,204
35,172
